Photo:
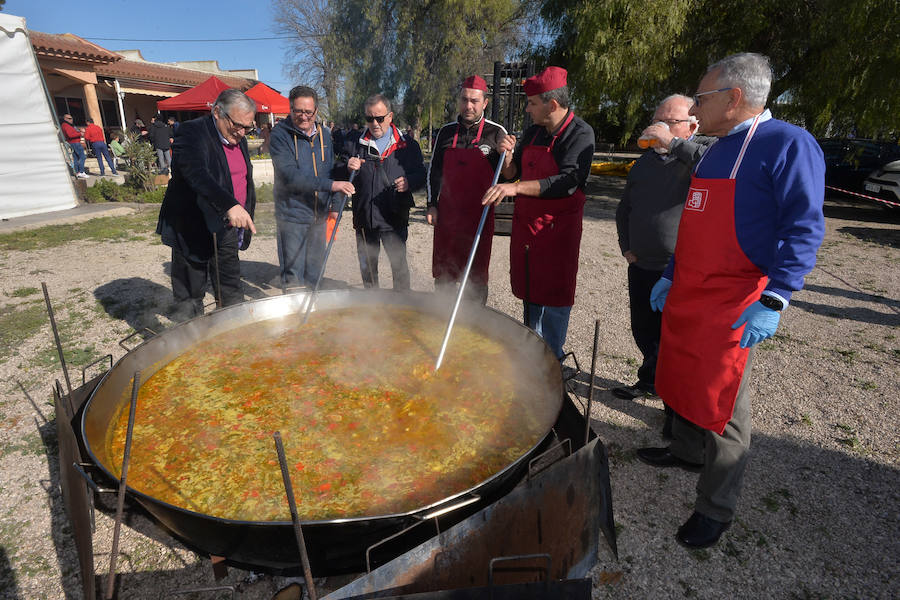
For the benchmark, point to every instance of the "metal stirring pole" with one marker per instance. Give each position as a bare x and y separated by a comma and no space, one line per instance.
465,277
312,297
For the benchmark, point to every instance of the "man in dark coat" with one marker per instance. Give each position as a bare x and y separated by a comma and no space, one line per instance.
161,138
390,169
207,213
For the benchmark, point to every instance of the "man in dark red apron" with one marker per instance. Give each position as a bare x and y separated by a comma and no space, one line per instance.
461,170
553,164
751,225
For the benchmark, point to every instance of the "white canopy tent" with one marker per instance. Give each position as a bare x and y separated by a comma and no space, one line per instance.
34,176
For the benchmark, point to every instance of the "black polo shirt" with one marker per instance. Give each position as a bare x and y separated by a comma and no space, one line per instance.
573,152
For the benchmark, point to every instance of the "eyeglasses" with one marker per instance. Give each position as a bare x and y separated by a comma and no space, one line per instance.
303,112
699,94
370,118
237,125
672,122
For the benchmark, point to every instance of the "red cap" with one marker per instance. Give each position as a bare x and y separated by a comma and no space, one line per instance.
475,83
548,79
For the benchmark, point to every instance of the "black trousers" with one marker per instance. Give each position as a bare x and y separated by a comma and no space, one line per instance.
189,278
645,322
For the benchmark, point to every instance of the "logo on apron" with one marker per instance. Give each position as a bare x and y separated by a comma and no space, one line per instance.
696,199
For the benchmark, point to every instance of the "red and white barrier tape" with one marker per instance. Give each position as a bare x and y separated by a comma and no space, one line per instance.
863,196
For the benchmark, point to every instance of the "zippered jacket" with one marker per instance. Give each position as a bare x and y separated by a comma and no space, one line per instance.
304,172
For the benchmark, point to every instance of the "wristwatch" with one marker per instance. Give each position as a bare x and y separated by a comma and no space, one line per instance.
771,302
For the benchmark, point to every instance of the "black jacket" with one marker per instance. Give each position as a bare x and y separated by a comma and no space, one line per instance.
160,134
200,191
377,205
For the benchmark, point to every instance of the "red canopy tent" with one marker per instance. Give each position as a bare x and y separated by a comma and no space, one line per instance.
268,100
198,98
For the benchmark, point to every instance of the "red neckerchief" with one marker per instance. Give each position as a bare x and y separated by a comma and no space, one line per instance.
397,141
477,137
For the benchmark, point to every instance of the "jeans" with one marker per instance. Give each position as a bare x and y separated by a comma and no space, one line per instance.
78,152
301,250
549,322
189,278
368,245
101,150
164,160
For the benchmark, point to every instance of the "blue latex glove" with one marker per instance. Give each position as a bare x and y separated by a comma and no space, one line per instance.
759,323
658,294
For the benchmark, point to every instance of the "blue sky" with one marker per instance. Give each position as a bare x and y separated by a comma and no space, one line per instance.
169,20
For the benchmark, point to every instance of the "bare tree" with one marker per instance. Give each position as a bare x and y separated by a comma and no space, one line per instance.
311,56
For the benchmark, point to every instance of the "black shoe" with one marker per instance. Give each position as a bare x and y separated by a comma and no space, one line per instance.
661,457
701,531
630,392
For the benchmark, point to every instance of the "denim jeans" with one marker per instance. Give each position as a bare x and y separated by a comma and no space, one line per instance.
549,322
78,152
368,246
301,250
101,151
164,160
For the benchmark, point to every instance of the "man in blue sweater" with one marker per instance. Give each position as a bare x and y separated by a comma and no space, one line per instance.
749,232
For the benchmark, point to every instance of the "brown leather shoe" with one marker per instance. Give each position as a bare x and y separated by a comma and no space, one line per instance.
701,531
662,457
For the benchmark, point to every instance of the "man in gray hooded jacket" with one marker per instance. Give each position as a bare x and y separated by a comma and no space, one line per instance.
303,158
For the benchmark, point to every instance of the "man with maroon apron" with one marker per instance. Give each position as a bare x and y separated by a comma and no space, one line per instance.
462,168
553,164
751,225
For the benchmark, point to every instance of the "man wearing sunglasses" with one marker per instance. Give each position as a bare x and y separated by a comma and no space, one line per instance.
207,213
647,223
749,232
390,169
461,170
305,188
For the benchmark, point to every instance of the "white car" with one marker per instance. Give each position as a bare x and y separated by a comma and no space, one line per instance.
884,182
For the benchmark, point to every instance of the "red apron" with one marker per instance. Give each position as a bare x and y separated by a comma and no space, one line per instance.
466,176
546,235
700,362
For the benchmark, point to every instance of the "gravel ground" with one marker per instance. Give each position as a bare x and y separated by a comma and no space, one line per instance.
818,517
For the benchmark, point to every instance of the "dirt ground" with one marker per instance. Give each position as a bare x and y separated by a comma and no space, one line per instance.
818,517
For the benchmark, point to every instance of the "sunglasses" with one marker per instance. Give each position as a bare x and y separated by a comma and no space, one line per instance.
672,122
370,118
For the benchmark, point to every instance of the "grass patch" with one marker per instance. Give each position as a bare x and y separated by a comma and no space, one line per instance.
865,385
23,292
265,193
848,355
100,229
18,325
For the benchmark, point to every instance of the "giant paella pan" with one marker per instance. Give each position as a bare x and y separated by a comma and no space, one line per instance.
375,438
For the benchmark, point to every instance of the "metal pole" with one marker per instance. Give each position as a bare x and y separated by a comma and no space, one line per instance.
119,95
298,531
312,297
587,415
62,359
218,280
465,277
120,507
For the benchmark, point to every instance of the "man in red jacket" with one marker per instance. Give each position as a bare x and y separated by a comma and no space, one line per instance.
73,137
94,136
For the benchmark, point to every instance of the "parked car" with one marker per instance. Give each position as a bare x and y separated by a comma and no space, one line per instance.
884,182
848,161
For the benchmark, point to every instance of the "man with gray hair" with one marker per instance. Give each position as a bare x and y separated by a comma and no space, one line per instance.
751,226
207,213
647,222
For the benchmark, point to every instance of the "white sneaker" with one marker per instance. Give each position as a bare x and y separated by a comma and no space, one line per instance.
82,176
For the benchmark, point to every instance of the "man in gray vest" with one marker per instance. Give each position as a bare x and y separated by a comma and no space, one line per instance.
647,222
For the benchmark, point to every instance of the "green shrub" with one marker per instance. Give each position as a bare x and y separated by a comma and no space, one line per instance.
264,193
106,190
141,158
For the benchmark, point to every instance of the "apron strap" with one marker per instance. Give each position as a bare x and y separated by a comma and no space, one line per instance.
477,136
740,156
558,133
